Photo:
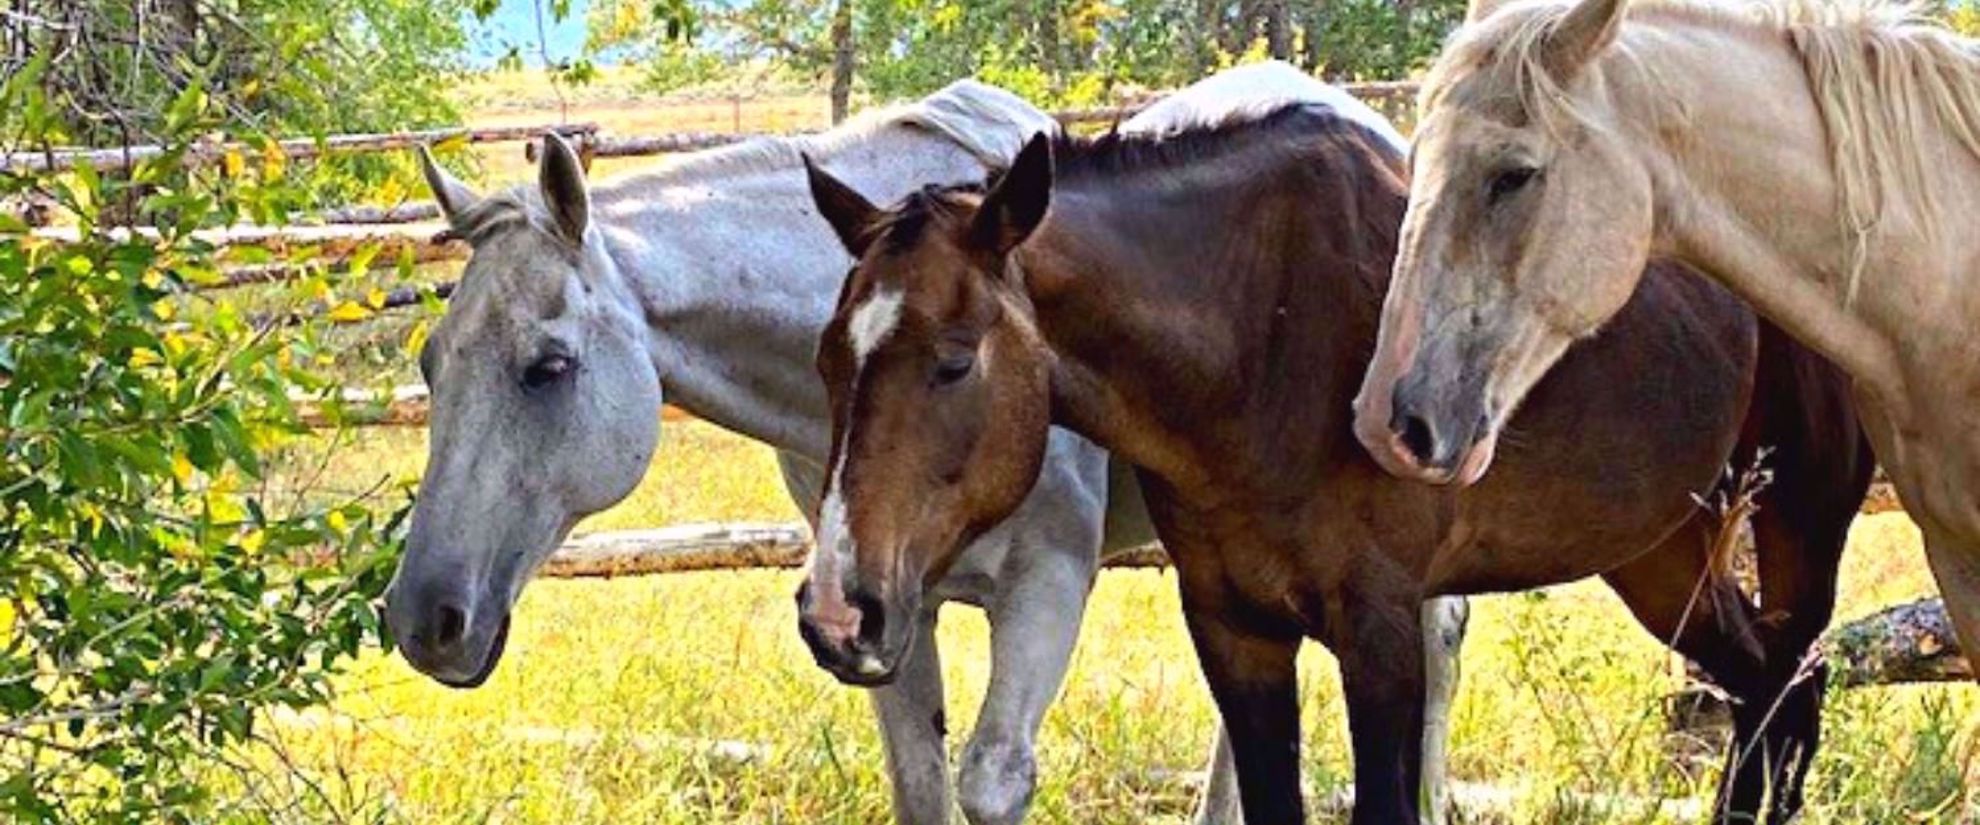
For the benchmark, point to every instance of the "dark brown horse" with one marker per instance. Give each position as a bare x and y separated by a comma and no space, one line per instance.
1204,307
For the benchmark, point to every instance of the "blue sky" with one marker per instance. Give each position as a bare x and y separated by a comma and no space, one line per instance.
514,24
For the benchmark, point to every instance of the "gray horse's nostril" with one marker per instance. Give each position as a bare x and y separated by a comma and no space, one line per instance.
449,625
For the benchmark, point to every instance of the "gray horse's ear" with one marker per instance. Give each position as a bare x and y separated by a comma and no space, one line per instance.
851,215
561,177
1583,33
1017,206
453,197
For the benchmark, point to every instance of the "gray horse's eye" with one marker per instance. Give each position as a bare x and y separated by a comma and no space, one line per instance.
548,370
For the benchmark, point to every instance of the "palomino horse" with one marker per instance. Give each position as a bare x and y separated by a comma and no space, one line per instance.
707,281
1817,158
1202,306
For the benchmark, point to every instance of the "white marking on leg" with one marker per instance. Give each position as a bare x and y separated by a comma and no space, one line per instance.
873,321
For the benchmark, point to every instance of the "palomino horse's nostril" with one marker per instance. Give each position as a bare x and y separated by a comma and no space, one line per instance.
1418,438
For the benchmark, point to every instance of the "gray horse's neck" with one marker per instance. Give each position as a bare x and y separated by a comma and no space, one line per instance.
736,273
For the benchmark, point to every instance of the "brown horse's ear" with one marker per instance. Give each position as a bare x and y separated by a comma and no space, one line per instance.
1016,207
1583,33
452,196
851,215
561,177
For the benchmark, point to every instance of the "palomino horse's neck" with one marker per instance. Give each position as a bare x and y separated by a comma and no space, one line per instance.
735,274
1746,190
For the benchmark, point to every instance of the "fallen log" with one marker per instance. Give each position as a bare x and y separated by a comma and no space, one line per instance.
1907,643
210,152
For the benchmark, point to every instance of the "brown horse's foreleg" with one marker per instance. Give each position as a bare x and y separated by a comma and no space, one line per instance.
1253,679
1382,676
1799,533
1687,602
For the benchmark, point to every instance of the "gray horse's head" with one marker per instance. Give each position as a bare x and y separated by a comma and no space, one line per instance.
545,409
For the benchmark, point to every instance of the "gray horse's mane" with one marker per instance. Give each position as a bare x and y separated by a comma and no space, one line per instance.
989,123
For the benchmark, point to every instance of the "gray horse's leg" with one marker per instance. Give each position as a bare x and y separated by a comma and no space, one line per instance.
1444,622
911,710
1219,804
913,731
1033,626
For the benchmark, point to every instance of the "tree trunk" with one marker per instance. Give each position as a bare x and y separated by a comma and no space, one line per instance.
1278,28
1050,56
842,61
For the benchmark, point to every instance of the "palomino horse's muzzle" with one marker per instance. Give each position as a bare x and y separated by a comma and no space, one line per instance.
848,639
1433,432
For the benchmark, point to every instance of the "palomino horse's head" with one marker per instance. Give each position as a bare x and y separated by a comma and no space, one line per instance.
940,395
1529,224
545,409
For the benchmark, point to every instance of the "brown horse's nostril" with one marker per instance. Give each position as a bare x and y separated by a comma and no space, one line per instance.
872,617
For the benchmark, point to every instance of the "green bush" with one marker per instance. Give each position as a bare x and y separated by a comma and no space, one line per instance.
157,591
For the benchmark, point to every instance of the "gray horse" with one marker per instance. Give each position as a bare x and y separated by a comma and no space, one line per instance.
706,282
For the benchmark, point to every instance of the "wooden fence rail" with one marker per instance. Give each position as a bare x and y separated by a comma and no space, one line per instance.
1907,643
207,153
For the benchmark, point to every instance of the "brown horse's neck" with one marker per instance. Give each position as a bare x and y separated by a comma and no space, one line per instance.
1227,304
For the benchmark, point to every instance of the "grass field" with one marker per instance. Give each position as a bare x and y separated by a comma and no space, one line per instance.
689,698
615,695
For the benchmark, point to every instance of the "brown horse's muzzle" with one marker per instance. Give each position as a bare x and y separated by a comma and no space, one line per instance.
858,638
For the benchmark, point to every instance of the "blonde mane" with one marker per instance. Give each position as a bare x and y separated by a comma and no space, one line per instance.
1881,73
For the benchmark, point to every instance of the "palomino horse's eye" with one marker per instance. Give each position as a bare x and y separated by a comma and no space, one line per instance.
954,368
547,370
1509,182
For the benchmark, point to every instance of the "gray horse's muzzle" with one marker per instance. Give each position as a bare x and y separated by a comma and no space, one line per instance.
441,635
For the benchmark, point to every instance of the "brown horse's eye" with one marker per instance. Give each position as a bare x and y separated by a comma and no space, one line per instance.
1509,182
548,370
954,368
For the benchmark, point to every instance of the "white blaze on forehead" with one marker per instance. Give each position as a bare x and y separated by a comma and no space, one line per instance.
873,321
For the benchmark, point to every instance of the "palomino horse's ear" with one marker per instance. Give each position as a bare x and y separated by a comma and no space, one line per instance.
1016,207
561,177
851,215
453,197
1583,33
1477,10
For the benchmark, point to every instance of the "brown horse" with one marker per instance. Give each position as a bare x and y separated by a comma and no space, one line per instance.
1205,306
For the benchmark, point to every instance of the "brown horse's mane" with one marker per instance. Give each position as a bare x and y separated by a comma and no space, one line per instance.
1115,156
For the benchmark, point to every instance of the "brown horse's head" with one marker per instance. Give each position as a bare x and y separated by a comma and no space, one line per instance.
1529,223
940,397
